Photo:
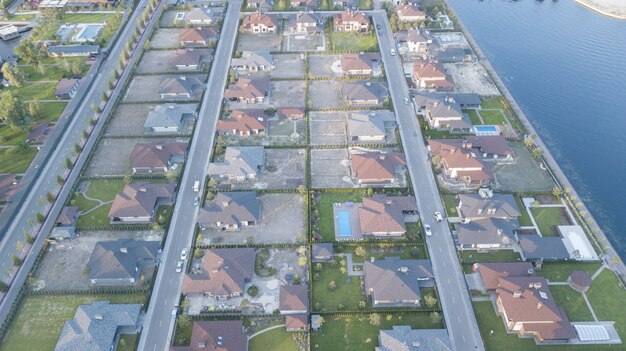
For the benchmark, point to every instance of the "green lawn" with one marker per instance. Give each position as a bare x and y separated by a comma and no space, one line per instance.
606,296
495,102
470,256
85,17
347,294
14,161
11,136
104,190
39,91
46,73
493,117
113,23
450,203
354,41
473,115
558,272
524,219
572,302
326,223
276,339
404,251
49,111
40,319
21,17
548,218
127,342
356,333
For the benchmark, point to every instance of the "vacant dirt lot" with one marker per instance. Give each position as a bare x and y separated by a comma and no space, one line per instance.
128,119
288,66
319,65
258,42
158,61
328,127
284,169
169,16
282,221
165,38
298,42
287,93
146,88
330,168
325,94
471,78
282,131
524,175
63,266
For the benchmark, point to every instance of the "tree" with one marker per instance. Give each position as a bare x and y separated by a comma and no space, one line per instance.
212,183
430,301
17,261
40,217
198,252
33,107
301,189
4,287
29,51
557,192
537,152
29,238
370,192
302,261
19,246
50,196
528,141
22,146
13,74
60,180
12,111
374,319
360,251
435,317
332,285
343,270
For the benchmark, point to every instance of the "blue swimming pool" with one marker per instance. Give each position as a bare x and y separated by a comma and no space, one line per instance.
343,224
487,130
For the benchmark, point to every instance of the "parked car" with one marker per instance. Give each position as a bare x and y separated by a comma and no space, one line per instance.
427,230
179,266
393,52
438,216
183,254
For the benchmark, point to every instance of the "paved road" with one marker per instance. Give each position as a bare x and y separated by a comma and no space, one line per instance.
46,181
454,296
159,322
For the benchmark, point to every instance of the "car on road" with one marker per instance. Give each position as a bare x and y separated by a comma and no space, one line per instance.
438,216
183,254
393,52
179,266
406,100
196,201
427,230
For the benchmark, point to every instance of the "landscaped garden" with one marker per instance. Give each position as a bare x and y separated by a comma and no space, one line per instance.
548,218
325,224
449,202
40,319
334,290
365,251
559,272
276,339
572,302
360,331
94,212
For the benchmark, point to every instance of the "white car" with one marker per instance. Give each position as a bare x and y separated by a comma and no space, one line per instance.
406,100
393,52
438,216
427,230
183,254
179,266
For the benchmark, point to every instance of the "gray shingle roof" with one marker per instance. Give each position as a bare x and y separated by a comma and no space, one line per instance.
239,161
488,231
546,248
365,124
403,338
387,280
232,208
119,259
169,116
94,326
497,206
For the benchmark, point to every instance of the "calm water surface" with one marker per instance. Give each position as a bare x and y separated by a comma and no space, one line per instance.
566,67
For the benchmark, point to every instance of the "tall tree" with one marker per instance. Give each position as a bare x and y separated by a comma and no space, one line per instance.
13,74
12,111
29,51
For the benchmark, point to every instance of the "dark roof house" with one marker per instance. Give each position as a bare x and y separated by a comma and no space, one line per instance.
403,338
119,262
138,202
395,282
231,211
157,157
377,167
220,335
294,299
383,216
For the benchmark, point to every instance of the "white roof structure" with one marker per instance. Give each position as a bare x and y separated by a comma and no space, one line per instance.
52,3
592,332
577,243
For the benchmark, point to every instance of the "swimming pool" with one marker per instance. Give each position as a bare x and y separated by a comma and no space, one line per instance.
343,224
486,130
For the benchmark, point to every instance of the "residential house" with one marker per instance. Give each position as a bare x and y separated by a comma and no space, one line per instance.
119,262
244,122
547,248
291,113
454,55
222,274
139,202
415,41
410,13
487,233
361,64
253,61
363,93
322,252
264,5
198,36
368,126
190,59
376,167
248,90
465,100
181,87
392,282
231,211
198,16
458,161
297,322
403,338
493,147
218,335
260,23
39,133
429,74
66,88
64,228
294,299
306,23
486,204
308,4
169,118
240,163
490,273
157,157
382,216
351,21
72,50
446,115
97,326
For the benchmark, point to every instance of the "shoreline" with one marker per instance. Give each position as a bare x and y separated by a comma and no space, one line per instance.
608,253
588,4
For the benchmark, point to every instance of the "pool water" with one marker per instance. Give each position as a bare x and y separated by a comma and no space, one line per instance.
486,130
343,224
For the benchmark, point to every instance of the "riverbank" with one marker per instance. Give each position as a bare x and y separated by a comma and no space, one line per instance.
611,8
609,254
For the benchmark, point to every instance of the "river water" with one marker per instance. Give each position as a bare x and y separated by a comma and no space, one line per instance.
566,68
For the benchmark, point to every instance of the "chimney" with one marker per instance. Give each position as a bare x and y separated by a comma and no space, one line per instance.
517,294
530,271
537,285
201,345
124,250
499,231
158,146
225,203
143,189
98,317
381,157
539,305
183,78
404,269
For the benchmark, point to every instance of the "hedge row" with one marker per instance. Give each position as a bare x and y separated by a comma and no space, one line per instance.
91,291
